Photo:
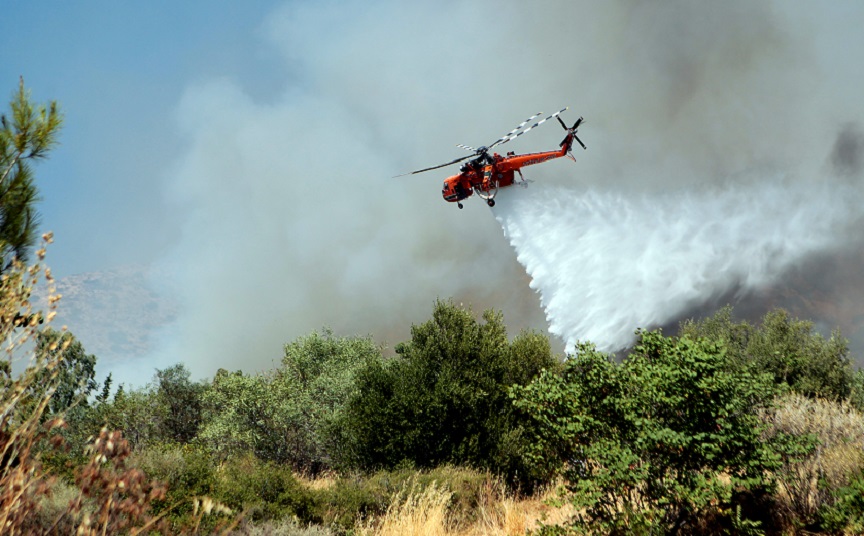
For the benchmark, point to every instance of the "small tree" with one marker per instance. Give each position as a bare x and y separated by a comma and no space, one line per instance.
182,402
138,412
293,414
27,134
445,398
655,443
318,377
240,416
76,371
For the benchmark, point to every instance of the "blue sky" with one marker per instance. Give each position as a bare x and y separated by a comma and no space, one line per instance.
246,150
118,70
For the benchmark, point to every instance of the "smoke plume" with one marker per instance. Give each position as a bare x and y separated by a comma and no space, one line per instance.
847,156
708,135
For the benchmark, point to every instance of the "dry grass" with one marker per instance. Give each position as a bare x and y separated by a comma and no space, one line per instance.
427,512
419,513
108,497
808,483
24,397
319,482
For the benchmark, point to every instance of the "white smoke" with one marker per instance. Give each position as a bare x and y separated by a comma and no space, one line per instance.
290,219
605,264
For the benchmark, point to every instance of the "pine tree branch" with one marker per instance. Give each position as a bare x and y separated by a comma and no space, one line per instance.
9,169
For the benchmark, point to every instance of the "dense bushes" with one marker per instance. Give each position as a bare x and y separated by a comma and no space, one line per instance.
789,349
290,415
722,428
656,443
265,491
444,398
186,471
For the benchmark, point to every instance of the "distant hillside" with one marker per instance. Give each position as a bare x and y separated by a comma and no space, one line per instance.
114,313
827,290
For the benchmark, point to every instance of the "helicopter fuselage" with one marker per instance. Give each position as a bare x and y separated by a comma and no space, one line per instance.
487,174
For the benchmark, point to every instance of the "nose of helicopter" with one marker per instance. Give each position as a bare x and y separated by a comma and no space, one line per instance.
450,190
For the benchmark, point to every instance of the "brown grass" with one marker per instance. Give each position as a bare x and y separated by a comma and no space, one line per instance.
319,482
419,513
808,483
427,512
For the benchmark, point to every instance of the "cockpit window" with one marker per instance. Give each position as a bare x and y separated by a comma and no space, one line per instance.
445,186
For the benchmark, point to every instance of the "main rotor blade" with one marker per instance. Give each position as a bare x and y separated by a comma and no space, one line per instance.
466,147
580,142
522,124
435,167
535,125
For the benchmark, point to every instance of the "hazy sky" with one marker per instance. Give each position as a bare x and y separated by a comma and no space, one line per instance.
119,70
246,150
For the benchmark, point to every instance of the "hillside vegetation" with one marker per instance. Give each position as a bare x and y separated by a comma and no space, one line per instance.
727,427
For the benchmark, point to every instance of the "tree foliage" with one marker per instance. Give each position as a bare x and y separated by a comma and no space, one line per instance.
135,411
654,443
787,348
76,370
27,134
293,414
241,416
444,398
181,403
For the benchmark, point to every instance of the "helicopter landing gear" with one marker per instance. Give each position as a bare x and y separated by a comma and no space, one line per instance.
490,202
460,205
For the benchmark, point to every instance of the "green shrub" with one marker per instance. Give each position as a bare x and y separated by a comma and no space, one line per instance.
316,379
241,417
787,348
187,471
444,399
263,489
292,414
846,513
654,444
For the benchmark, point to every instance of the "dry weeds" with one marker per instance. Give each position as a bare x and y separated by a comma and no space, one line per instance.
808,483
318,482
427,513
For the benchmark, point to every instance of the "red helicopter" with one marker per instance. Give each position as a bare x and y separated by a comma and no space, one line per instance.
486,173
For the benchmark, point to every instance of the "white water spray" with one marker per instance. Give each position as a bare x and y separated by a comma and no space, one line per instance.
606,264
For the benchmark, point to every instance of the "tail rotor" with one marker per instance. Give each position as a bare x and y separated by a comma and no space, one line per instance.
571,133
